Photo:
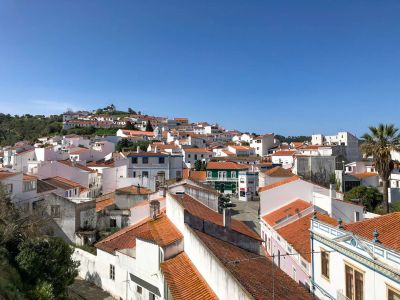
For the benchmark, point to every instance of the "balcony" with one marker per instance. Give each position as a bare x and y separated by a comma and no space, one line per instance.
223,179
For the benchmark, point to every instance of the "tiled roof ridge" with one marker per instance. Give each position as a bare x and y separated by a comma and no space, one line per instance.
279,183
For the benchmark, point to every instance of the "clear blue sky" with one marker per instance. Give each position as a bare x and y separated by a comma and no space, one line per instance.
289,67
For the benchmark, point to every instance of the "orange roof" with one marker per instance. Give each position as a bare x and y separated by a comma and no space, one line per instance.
225,165
105,202
134,190
237,147
279,183
388,227
279,172
297,233
254,271
364,175
160,231
201,211
29,177
284,153
184,281
137,133
76,165
197,150
198,175
285,212
63,183
122,239
6,174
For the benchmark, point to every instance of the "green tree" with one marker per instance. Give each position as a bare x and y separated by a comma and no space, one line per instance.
370,197
123,144
149,127
379,143
130,126
197,165
47,261
131,111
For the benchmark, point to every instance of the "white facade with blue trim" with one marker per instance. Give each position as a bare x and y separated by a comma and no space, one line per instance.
355,268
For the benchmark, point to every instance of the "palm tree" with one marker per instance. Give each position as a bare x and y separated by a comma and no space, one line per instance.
379,144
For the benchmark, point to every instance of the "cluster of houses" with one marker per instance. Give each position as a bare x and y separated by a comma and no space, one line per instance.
160,231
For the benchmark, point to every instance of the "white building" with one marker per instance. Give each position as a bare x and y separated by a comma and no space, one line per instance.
263,143
343,138
248,185
191,155
185,253
153,169
329,201
358,260
284,158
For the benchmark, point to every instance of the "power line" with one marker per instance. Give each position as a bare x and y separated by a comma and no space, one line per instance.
280,255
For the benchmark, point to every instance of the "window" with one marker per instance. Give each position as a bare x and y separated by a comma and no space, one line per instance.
152,296
357,216
393,294
188,155
134,174
242,193
139,289
55,211
233,174
161,160
134,160
294,275
209,174
145,174
325,264
112,272
195,156
354,283
113,223
145,160
29,185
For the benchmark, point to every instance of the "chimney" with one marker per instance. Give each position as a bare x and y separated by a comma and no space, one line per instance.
154,209
138,189
137,149
332,191
227,217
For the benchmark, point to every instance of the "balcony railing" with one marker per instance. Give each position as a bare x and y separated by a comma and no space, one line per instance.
221,179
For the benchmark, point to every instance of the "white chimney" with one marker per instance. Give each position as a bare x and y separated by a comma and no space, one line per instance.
227,217
137,149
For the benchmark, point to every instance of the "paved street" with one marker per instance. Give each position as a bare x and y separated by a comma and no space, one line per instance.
247,212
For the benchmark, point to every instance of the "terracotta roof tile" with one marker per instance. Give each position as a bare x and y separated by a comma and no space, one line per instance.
201,211
103,203
122,239
7,174
198,175
279,172
134,190
279,183
388,227
196,150
253,271
160,231
184,281
284,153
62,183
76,165
297,233
364,175
225,165
286,211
